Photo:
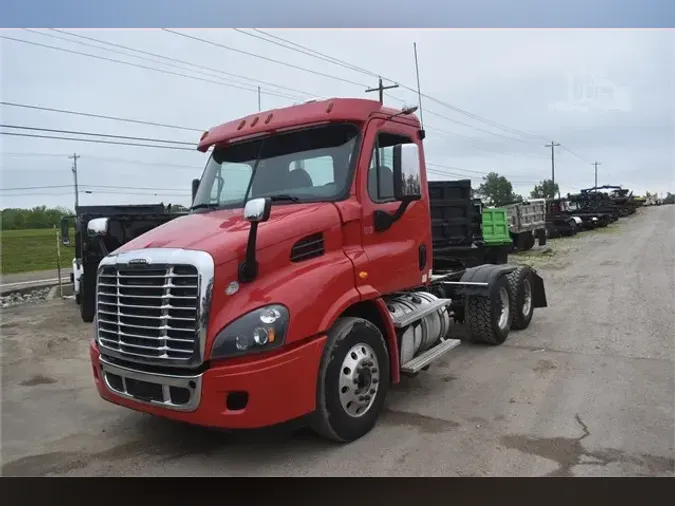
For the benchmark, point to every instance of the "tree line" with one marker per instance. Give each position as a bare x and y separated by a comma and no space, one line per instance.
47,217
498,191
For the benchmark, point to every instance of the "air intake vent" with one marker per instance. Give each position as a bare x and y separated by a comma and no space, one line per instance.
308,247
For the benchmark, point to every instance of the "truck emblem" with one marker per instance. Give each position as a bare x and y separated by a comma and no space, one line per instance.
138,261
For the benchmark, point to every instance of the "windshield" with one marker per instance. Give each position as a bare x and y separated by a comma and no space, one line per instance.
309,165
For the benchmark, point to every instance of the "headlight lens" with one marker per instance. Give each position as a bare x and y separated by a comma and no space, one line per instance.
260,330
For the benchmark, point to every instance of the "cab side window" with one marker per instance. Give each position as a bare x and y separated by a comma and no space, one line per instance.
381,170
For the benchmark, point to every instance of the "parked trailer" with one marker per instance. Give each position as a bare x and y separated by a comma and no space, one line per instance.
313,299
527,221
100,230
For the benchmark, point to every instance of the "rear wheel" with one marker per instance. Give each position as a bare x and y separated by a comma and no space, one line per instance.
525,241
353,380
488,319
520,284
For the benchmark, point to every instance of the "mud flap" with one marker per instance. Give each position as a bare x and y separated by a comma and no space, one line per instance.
538,291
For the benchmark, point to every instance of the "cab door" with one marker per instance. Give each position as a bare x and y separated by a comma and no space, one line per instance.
399,256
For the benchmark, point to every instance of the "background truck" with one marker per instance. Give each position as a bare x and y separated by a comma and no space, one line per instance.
527,221
111,227
299,290
560,219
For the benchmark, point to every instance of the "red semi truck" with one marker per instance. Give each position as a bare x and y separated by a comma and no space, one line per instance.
302,284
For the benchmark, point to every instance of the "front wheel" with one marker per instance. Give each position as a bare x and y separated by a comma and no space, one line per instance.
353,380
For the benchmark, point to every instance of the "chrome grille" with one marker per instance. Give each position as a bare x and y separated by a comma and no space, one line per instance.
149,311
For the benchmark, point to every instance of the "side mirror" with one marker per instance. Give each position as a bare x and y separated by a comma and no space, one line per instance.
65,239
195,187
407,172
258,210
97,227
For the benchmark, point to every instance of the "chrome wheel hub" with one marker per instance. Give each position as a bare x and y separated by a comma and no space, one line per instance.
359,380
527,297
505,308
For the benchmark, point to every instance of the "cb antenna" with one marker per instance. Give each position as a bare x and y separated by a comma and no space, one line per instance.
419,91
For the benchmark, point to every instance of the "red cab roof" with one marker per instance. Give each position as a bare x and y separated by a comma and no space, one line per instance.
308,113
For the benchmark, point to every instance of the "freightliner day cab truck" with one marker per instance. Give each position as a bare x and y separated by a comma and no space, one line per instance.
300,286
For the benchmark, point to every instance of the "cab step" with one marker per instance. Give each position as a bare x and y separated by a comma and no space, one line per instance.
420,362
406,319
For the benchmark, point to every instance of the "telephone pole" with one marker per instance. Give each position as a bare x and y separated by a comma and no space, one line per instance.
553,145
380,88
74,171
595,164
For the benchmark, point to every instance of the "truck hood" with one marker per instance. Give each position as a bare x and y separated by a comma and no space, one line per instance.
224,233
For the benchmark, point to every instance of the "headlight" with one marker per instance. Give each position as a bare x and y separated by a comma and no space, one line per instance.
260,330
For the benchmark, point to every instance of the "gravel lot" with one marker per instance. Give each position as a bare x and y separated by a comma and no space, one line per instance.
587,390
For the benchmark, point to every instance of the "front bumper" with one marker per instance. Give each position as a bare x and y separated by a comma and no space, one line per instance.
266,391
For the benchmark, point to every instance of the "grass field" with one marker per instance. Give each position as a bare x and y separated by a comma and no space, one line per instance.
32,250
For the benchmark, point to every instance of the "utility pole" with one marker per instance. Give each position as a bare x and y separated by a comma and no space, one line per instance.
553,145
259,100
74,171
595,164
380,88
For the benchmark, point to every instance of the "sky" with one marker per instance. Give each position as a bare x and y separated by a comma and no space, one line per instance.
492,100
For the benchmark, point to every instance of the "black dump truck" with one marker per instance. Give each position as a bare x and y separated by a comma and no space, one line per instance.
119,225
458,238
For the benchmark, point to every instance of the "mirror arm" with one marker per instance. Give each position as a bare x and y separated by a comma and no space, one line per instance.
382,220
248,269
101,243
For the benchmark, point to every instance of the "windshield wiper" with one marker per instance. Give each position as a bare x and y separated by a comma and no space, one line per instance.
204,206
283,196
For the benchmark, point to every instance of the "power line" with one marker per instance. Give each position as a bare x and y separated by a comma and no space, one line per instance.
106,187
254,55
137,65
305,50
128,161
95,141
100,116
111,192
96,134
575,154
322,56
409,88
183,62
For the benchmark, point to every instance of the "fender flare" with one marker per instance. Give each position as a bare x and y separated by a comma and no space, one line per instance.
389,333
487,273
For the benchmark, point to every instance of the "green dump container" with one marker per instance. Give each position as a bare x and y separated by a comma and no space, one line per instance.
496,226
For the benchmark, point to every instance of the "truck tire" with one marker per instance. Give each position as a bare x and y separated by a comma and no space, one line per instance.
528,241
520,284
88,296
541,237
488,319
353,380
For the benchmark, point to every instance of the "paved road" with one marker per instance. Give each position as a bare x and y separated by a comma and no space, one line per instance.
586,390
